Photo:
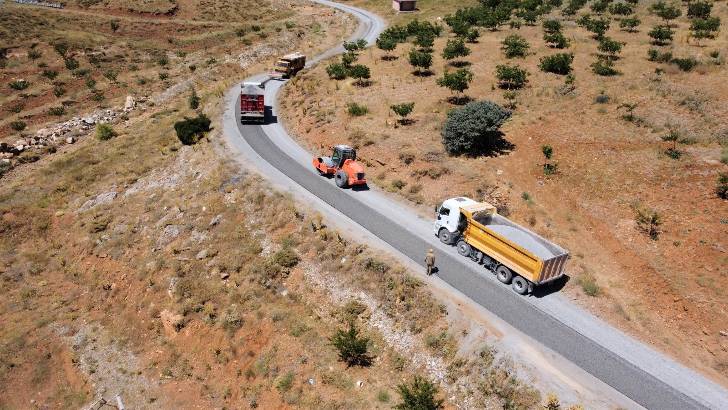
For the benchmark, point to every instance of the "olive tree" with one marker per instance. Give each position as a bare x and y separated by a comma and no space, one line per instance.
475,129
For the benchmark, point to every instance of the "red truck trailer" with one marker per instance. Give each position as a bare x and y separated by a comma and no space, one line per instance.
252,102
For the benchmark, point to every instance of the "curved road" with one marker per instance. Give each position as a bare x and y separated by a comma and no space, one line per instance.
647,377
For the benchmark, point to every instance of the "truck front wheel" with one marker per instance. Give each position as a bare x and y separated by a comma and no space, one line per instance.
464,248
520,285
445,236
504,274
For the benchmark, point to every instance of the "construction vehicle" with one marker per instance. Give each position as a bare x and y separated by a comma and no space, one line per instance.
343,166
252,102
516,255
289,65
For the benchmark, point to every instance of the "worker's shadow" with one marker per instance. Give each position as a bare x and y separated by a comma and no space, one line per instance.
552,287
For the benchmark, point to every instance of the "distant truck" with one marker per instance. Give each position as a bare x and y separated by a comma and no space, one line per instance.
252,102
289,65
518,256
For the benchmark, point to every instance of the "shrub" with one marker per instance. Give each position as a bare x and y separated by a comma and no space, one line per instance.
515,46
685,64
589,285
457,81
474,129
190,130
407,157
163,75
349,58
386,44
90,83
352,348
285,382
548,151
193,100
105,132
656,56
70,63
599,6
19,85
596,26
665,11
336,71
425,40
511,77
61,48
286,257
551,26
621,9
398,184
50,74
557,63
721,187
403,110
421,394
699,9
629,24
163,61
556,40
454,49
34,54
602,98
58,91
57,111
114,24
111,75
705,28
18,125
420,60
361,73
648,221
661,35
609,46
356,110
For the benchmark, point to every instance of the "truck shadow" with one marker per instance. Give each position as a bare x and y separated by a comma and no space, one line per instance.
549,288
269,117
360,188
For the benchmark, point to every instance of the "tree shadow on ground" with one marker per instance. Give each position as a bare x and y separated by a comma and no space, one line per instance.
423,73
390,58
491,144
459,100
460,64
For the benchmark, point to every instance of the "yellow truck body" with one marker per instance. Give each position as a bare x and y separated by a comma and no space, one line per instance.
536,266
515,254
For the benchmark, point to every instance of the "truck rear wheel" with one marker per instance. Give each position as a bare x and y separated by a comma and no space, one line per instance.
445,236
520,285
342,180
463,248
504,274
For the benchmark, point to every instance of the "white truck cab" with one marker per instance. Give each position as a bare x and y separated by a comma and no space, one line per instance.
448,218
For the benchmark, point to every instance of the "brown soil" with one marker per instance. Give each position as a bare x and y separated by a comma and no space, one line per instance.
669,292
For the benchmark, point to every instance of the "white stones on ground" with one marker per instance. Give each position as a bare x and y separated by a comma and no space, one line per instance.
100,199
216,220
201,254
70,140
129,104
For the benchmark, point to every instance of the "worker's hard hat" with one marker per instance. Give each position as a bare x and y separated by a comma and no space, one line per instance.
430,250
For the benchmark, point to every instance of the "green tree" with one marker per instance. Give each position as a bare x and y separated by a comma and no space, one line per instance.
629,24
721,188
454,49
661,35
699,9
511,77
556,40
425,40
667,12
610,47
475,129
336,71
191,130
621,9
457,81
352,348
515,46
349,58
403,110
386,44
420,60
105,132
421,394
702,28
551,26
557,63
360,72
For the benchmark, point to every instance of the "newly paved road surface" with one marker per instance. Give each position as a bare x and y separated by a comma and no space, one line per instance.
666,386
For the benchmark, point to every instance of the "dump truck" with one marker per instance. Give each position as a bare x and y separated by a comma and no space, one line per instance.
252,102
289,65
516,255
343,166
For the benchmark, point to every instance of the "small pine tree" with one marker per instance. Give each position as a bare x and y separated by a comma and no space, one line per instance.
352,348
193,100
421,394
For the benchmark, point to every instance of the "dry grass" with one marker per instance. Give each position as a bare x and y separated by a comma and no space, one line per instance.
610,155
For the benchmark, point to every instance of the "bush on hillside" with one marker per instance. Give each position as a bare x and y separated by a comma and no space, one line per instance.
421,394
475,129
336,71
353,349
191,130
515,46
104,132
557,63
511,77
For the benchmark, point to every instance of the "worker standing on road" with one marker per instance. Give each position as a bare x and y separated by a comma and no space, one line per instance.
430,261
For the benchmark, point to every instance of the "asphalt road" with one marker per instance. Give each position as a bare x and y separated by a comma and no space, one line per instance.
648,389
